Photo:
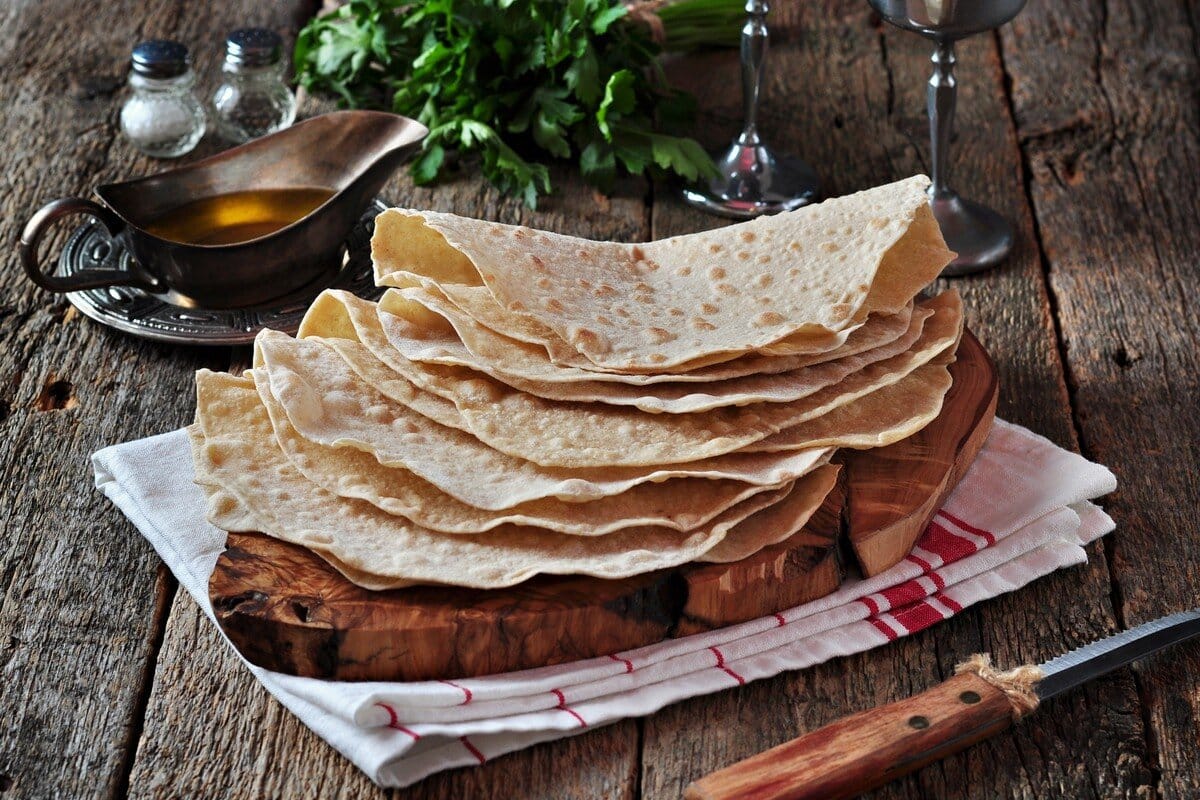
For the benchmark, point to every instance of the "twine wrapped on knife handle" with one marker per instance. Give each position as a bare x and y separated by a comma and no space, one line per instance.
1017,683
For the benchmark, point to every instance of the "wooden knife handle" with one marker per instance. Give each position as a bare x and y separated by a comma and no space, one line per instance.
868,749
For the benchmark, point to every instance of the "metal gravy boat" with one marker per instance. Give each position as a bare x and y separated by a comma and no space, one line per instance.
352,153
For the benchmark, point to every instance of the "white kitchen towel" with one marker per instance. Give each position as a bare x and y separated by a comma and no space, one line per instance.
1021,512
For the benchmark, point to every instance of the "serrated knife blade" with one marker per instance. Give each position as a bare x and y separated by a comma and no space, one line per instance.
1104,655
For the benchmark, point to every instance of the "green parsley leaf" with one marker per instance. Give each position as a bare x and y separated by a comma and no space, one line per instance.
516,82
425,169
606,18
619,99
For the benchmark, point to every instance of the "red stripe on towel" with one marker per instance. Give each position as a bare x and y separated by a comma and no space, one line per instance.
924,565
918,616
949,602
883,628
394,721
562,706
966,526
472,749
466,692
628,664
721,666
946,543
904,593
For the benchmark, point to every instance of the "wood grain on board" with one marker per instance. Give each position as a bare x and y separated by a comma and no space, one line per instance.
213,732
894,491
289,611
801,568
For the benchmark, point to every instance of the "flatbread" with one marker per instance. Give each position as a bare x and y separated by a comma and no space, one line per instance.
451,337
878,419
478,303
342,410
389,335
680,504
776,522
795,282
239,454
578,435
523,403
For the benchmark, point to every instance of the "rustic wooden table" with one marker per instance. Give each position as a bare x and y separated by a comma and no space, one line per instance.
1080,122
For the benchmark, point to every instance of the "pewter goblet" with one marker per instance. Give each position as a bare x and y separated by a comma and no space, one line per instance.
754,180
980,236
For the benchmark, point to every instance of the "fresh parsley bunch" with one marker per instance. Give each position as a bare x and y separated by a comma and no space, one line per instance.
517,81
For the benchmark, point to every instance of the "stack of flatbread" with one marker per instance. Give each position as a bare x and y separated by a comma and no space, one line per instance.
522,402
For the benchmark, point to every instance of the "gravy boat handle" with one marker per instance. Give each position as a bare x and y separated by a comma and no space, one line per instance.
46,216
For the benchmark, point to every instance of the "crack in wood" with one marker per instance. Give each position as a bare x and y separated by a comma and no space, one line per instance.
166,587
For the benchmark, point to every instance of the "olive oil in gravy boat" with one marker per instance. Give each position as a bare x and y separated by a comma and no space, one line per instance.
352,153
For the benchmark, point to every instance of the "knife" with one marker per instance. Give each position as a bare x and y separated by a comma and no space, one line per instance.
868,749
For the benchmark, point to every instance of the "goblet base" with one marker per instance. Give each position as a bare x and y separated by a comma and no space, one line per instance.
981,237
754,181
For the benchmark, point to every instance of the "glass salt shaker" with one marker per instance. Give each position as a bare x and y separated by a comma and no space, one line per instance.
253,99
162,118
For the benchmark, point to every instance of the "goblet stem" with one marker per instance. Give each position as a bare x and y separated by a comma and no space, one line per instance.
752,180
754,59
941,97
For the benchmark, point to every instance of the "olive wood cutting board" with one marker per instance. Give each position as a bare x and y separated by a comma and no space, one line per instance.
287,610
894,491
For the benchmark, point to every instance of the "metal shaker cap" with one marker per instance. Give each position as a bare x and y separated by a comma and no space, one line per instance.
253,47
160,58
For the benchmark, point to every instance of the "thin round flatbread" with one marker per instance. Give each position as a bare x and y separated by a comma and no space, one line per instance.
240,456
788,283
335,407
389,335
680,504
451,337
591,435
878,419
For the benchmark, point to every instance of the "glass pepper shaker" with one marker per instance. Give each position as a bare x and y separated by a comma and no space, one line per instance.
253,99
162,117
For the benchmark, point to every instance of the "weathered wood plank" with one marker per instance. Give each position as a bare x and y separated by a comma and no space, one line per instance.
848,95
597,764
82,598
1106,106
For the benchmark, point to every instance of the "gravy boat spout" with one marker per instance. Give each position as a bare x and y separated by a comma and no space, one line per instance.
351,153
